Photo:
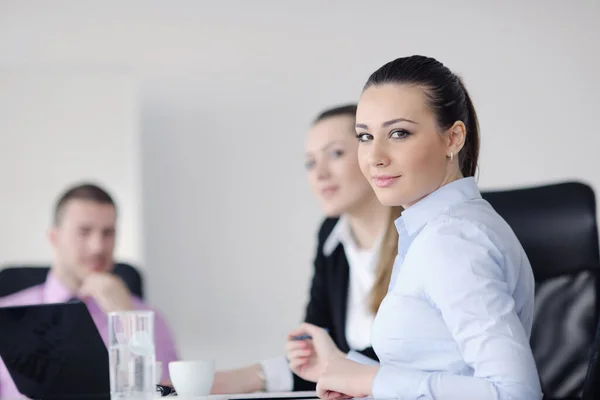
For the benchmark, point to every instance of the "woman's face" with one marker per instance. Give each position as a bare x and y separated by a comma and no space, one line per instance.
401,150
333,171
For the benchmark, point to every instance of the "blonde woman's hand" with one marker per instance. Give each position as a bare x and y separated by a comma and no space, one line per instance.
309,358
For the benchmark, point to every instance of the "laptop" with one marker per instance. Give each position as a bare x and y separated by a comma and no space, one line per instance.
54,351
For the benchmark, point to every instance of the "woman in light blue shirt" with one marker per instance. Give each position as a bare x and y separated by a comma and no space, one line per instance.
456,321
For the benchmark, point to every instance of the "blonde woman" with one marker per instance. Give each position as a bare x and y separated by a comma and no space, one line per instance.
357,244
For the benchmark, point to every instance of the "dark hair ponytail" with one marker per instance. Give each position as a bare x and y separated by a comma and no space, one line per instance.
469,155
447,97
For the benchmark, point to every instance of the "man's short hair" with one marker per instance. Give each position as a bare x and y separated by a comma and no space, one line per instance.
82,191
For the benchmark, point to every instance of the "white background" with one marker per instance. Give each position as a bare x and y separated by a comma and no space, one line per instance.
58,128
226,90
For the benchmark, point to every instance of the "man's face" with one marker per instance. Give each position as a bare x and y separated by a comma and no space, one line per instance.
84,238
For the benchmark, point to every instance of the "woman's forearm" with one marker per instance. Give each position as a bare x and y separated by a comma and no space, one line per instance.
241,380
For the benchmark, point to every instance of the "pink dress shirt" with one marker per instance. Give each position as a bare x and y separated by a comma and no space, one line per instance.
52,291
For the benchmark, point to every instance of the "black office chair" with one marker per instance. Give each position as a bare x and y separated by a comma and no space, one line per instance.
556,225
591,387
16,278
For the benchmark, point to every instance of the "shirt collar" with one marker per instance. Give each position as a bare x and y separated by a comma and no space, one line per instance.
340,234
55,291
416,216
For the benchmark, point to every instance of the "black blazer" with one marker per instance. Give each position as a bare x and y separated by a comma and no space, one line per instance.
328,297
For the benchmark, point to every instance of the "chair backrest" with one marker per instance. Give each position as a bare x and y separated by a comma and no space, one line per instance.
16,278
556,225
591,387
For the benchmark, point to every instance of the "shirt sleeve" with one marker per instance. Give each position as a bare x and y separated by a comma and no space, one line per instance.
465,280
278,375
360,358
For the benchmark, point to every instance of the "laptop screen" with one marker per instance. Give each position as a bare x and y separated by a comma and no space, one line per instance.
54,351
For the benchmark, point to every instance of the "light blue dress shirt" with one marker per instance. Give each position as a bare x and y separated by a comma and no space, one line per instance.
456,321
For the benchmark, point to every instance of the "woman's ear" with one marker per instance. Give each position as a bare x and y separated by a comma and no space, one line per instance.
457,135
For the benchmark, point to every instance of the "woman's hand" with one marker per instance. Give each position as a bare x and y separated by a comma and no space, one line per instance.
309,358
344,378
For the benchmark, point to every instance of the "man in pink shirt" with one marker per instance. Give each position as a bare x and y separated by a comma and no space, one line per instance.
83,240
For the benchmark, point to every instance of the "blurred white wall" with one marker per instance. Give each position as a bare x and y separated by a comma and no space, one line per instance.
58,128
228,88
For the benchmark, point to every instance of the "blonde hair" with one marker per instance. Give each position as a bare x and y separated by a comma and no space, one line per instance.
387,254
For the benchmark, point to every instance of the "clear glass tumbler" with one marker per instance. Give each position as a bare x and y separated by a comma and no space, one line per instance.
132,355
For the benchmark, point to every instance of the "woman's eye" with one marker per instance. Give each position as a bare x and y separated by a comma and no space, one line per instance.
363,137
400,134
310,164
337,153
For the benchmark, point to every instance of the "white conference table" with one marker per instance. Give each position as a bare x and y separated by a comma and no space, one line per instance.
272,395
257,396
261,395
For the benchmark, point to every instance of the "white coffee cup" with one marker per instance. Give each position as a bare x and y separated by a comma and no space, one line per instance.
192,378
